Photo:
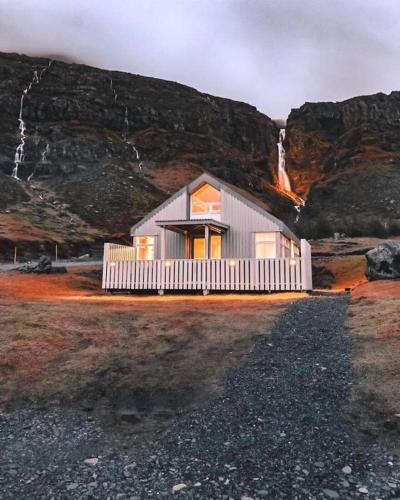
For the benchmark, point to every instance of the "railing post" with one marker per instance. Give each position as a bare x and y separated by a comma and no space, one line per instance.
207,242
162,246
306,266
105,260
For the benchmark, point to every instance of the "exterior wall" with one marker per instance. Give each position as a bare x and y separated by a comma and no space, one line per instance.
237,241
174,242
244,221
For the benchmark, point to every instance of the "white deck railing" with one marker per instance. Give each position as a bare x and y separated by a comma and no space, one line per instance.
122,272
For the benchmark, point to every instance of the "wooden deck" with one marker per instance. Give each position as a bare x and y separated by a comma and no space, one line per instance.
122,272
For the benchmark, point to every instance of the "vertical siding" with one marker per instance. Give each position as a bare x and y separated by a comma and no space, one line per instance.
237,242
174,242
243,221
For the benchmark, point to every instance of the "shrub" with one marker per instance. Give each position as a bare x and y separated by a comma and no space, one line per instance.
393,227
322,228
377,228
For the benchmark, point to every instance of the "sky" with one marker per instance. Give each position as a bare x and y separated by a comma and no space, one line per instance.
273,54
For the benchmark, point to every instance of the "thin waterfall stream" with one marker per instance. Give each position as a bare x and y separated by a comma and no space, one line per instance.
283,177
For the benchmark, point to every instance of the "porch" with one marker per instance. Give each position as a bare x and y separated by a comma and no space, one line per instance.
121,271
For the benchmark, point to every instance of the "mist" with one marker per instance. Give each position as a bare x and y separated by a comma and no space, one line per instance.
274,54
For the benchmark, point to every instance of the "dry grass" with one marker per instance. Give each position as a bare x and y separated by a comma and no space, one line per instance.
63,341
349,271
374,322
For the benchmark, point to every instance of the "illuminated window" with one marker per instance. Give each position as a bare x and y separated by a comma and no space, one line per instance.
265,245
145,247
199,247
206,200
295,250
215,246
285,247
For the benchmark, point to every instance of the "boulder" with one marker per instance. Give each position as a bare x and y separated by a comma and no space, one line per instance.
383,262
44,266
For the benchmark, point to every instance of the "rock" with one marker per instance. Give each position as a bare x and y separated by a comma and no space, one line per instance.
91,461
130,415
72,486
343,158
346,469
178,487
363,490
44,266
330,493
383,262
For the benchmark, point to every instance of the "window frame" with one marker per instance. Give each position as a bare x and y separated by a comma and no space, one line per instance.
285,249
209,211
270,240
146,246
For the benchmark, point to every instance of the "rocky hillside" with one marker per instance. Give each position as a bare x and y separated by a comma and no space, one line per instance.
344,158
102,148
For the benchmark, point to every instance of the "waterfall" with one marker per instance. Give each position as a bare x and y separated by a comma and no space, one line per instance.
126,126
19,152
113,90
126,122
43,159
283,178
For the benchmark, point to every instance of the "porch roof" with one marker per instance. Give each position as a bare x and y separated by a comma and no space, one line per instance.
181,226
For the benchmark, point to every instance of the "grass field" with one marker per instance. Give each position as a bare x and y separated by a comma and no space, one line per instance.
374,322
126,358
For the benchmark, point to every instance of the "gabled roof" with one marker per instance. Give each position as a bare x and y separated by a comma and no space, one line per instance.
242,195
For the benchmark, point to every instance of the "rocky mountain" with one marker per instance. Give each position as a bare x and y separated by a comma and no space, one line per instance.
85,153
344,157
98,149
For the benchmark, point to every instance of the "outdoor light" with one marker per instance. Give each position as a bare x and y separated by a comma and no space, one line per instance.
231,263
292,262
168,263
112,264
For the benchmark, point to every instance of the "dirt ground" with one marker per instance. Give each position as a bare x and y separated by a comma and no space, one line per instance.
374,322
131,359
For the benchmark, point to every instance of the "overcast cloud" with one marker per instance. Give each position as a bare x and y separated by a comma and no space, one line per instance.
274,54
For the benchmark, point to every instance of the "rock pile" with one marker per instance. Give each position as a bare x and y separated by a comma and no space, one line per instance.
44,266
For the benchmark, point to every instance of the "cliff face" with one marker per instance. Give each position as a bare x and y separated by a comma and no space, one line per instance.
103,148
345,158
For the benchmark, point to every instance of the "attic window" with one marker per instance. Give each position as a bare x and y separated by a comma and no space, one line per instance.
206,200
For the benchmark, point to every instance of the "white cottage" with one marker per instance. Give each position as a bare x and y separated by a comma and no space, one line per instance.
209,235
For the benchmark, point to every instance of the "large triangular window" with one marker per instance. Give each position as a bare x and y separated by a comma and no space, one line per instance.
205,202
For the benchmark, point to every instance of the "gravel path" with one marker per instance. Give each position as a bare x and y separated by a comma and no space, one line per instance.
279,431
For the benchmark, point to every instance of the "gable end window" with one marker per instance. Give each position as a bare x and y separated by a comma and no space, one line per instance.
265,245
145,246
205,201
